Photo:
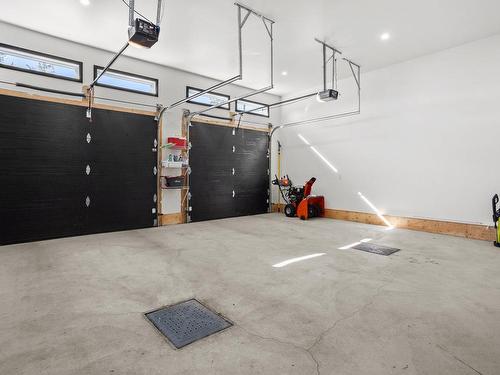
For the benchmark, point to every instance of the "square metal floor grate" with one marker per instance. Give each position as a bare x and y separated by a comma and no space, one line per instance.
187,322
376,249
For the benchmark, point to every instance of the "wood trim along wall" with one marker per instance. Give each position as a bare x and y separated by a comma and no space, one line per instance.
170,219
472,231
231,124
185,154
81,103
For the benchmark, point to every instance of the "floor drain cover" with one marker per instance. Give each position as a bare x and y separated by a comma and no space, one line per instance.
187,322
376,249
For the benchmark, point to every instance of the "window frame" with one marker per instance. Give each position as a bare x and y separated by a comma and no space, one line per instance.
249,112
228,108
157,82
42,54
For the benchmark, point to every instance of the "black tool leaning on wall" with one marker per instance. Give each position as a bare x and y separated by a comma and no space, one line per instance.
496,218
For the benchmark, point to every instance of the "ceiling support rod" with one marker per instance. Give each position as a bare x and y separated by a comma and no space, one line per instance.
158,13
256,13
240,41
271,38
241,24
131,13
324,67
245,19
357,77
326,61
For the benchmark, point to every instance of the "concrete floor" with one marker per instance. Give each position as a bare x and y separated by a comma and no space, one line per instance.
75,305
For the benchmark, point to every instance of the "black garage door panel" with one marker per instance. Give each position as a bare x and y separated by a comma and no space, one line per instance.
123,182
228,172
43,157
41,174
211,172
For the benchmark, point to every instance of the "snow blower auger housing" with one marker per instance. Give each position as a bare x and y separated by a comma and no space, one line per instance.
299,200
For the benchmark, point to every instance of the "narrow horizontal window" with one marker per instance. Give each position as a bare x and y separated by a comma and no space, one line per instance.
254,108
209,99
119,80
39,63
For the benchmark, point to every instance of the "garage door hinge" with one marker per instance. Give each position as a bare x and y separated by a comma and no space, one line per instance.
233,171
234,194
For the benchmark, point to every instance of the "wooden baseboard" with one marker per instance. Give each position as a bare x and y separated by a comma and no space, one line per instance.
171,219
472,231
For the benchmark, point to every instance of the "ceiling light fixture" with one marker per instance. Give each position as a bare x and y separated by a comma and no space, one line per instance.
284,73
385,36
85,2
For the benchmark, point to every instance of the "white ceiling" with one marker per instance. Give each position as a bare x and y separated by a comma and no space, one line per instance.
201,36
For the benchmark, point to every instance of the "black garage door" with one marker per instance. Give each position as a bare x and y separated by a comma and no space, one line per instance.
61,175
229,172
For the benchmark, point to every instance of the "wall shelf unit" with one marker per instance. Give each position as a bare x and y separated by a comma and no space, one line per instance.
171,150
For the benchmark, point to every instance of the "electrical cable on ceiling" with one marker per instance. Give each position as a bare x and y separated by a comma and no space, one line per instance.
135,11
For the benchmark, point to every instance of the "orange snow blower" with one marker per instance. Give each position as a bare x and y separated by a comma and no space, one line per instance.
298,199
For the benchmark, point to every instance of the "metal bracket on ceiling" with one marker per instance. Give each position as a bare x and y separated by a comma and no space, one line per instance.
357,74
268,23
326,60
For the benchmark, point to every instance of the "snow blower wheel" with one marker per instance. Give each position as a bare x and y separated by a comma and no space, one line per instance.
290,210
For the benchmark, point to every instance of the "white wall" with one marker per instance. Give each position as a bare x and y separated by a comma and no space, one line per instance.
172,85
426,144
